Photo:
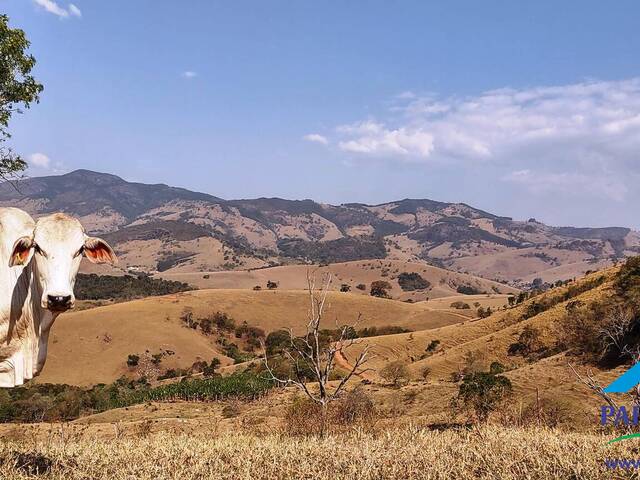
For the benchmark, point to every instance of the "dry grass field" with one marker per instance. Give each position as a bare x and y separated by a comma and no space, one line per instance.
408,452
91,346
294,277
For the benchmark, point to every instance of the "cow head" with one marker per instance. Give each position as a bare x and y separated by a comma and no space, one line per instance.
55,248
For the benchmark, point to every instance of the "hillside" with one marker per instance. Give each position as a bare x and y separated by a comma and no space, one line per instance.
91,346
162,228
441,283
476,343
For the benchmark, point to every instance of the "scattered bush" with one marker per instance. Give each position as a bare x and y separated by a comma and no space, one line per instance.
345,288
271,285
189,320
277,341
396,373
482,392
133,360
354,408
468,290
528,342
433,345
156,358
361,286
232,351
460,305
412,281
380,288
210,370
383,330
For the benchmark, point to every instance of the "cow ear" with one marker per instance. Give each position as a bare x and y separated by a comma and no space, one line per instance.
99,251
21,250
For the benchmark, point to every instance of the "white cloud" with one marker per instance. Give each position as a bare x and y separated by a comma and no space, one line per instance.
374,138
75,11
590,129
406,95
189,74
316,138
53,7
39,160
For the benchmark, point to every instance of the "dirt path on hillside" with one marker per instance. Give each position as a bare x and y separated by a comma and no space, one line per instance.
343,363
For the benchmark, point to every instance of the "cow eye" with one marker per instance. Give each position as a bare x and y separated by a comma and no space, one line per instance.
79,252
38,250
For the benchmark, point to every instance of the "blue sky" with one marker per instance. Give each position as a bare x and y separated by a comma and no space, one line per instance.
526,109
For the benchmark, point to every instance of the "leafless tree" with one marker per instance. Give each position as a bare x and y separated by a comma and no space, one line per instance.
310,353
594,386
617,325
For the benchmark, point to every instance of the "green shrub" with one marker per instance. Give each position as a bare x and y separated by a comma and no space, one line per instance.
277,341
133,360
412,281
468,290
380,289
482,392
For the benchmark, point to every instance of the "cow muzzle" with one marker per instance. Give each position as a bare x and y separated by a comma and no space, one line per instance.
59,303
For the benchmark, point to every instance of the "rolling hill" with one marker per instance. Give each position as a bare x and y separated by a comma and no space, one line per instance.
78,341
440,282
173,230
92,346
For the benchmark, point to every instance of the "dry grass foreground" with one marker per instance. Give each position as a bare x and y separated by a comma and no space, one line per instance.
406,453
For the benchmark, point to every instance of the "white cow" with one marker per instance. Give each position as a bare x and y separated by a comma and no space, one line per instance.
38,266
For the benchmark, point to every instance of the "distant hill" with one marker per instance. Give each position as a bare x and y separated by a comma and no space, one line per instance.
158,227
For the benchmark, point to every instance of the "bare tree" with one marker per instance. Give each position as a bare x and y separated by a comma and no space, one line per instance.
617,325
311,355
594,386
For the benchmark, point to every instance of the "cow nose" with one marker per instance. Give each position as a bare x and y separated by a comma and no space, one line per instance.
59,302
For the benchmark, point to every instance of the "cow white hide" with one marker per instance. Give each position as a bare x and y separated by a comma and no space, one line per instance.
38,266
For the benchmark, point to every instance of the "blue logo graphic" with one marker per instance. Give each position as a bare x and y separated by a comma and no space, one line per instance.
626,381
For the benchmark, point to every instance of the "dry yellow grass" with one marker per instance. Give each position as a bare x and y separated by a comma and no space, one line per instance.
91,346
294,277
406,453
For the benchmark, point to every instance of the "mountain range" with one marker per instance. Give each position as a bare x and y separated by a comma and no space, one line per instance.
158,228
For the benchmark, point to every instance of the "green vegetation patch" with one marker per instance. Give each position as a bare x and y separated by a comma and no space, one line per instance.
126,287
412,281
49,402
